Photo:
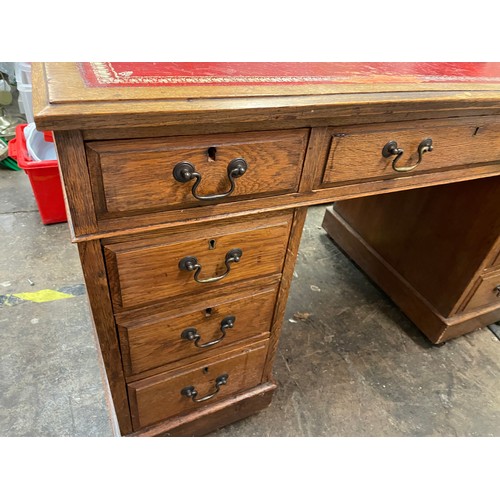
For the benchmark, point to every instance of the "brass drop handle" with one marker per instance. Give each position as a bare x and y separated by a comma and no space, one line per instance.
193,335
185,172
391,149
497,290
191,392
191,264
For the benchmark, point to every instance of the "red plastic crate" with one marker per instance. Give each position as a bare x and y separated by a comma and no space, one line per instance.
44,178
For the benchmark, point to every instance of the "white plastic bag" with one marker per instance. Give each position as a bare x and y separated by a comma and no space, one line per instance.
38,148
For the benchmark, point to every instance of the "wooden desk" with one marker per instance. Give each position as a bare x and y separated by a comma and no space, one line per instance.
187,188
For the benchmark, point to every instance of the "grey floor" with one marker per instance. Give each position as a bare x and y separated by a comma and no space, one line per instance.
349,363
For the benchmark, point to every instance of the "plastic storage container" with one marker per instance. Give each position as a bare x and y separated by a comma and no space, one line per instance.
44,178
23,79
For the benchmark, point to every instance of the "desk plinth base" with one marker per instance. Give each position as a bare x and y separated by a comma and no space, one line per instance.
215,416
434,326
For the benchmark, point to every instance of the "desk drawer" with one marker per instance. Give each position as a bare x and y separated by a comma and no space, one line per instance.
163,396
130,176
487,292
356,154
151,269
151,340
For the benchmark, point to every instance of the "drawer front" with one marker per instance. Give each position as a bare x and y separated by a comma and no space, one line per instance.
138,175
356,154
148,270
163,396
150,342
487,292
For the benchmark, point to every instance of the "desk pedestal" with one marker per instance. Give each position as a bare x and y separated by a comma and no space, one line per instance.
435,251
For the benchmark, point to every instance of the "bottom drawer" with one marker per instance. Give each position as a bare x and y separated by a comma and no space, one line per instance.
487,292
162,396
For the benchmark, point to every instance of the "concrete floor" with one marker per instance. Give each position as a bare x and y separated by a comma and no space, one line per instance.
349,364
50,381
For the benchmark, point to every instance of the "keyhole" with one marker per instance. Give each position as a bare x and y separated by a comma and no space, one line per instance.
208,312
211,153
205,370
211,245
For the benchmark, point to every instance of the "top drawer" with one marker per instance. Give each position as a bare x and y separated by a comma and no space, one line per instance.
137,175
356,153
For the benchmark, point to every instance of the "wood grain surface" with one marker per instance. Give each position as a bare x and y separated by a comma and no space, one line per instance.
292,251
201,216
356,154
69,104
105,329
147,270
137,175
159,397
215,415
436,327
305,144
76,182
496,261
287,122
486,292
149,342
438,238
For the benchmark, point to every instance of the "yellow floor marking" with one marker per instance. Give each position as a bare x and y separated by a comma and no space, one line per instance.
43,296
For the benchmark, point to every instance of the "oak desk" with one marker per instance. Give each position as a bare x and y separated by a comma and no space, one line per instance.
187,188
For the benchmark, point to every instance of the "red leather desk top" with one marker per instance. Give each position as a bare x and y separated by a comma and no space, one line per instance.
130,74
